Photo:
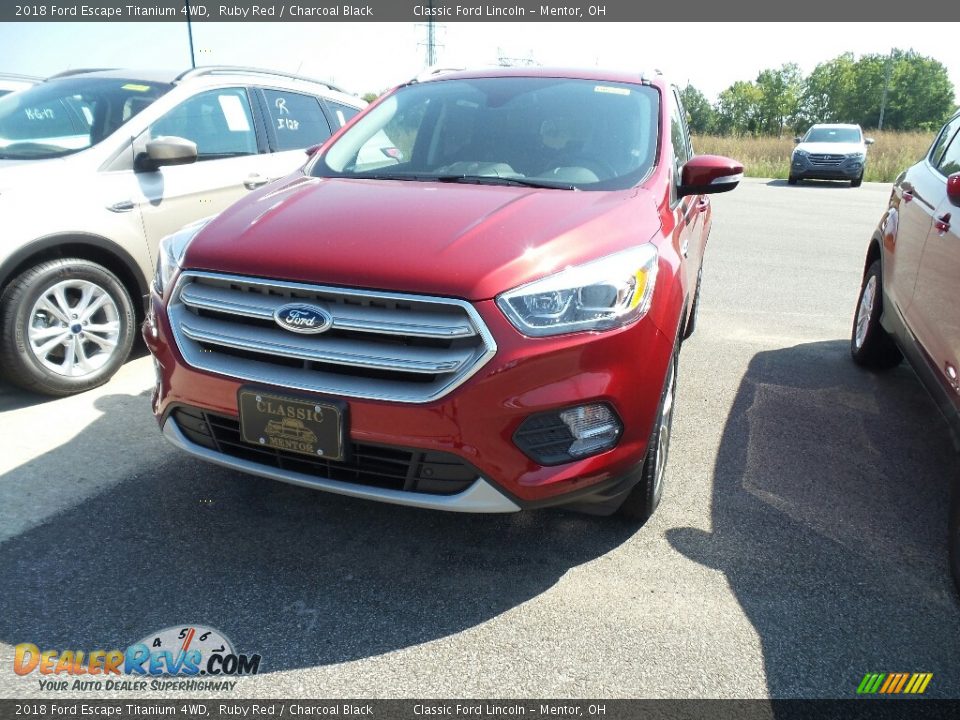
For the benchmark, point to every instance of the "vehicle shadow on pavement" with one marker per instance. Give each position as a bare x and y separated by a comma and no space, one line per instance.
301,577
829,520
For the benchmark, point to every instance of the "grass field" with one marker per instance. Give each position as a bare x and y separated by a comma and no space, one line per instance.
769,157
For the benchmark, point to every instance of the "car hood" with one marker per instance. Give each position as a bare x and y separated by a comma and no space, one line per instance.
832,148
16,173
459,240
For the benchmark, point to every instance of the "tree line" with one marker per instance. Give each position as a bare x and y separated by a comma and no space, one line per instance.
914,92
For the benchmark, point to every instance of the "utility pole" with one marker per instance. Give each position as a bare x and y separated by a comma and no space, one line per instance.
886,89
193,60
431,43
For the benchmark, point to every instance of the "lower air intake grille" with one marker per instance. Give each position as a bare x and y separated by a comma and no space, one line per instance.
378,466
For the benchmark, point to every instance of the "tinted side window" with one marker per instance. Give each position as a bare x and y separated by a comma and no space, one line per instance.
936,154
218,121
343,113
950,160
298,120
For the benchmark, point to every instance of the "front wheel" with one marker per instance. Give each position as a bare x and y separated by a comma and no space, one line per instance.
858,182
645,495
66,326
870,345
792,180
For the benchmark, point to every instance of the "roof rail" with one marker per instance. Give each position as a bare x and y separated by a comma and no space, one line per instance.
20,76
77,71
234,69
433,70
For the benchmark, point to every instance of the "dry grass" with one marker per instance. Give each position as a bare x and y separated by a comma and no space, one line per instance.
769,157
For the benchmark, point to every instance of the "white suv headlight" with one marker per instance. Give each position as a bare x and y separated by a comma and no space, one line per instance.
172,249
607,293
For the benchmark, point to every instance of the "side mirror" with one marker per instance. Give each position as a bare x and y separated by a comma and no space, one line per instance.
868,141
708,174
797,140
310,151
953,188
169,150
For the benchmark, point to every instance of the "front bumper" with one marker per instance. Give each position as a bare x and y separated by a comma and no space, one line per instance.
476,422
848,169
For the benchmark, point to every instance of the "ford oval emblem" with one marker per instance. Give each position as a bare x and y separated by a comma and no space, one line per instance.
302,318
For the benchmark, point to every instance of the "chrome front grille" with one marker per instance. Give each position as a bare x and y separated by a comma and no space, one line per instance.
823,160
382,346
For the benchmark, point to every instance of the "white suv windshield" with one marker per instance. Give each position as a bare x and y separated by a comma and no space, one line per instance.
64,116
549,132
838,135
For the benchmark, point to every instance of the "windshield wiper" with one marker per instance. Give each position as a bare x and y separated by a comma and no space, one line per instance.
499,180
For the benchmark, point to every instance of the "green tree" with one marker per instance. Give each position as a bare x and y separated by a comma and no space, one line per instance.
920,96
778,103
738,109
919,91
370,97
700,112
825,91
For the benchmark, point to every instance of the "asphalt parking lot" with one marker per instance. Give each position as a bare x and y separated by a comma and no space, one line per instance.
801,542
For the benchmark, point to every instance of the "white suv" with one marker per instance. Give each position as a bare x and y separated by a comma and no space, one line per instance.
830,152
97,166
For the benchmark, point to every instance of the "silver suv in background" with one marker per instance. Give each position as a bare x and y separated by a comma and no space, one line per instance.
830,152
97,166
10,82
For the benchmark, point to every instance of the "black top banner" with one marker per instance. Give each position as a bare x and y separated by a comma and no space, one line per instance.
520,11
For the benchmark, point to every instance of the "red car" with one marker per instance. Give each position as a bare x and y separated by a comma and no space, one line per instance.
908,302
473,296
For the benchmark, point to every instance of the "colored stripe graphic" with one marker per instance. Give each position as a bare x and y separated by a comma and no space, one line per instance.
894,683
870,683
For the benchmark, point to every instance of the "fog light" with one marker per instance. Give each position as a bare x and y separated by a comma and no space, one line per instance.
562,436
595,428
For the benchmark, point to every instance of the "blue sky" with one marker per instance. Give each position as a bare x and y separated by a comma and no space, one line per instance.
369,57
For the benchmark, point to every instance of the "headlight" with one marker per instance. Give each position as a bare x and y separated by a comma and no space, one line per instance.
857,156
800,153
599,295
172,249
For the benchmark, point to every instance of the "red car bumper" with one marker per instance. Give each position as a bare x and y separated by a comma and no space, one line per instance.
624,369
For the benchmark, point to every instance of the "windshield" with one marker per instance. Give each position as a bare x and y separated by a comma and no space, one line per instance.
833,134
65,116
541,132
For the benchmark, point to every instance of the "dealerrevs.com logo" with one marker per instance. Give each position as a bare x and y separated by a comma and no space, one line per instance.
184,652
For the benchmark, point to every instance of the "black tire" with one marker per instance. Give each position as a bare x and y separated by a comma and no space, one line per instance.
645,496
792,180
954,537
870,345
694,308
102,351
858,182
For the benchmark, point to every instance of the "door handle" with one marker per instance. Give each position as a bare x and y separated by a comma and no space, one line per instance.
703,205
121,206
907,196
942,223
255,180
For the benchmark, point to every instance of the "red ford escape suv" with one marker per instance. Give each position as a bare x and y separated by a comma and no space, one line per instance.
469,299
908,300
